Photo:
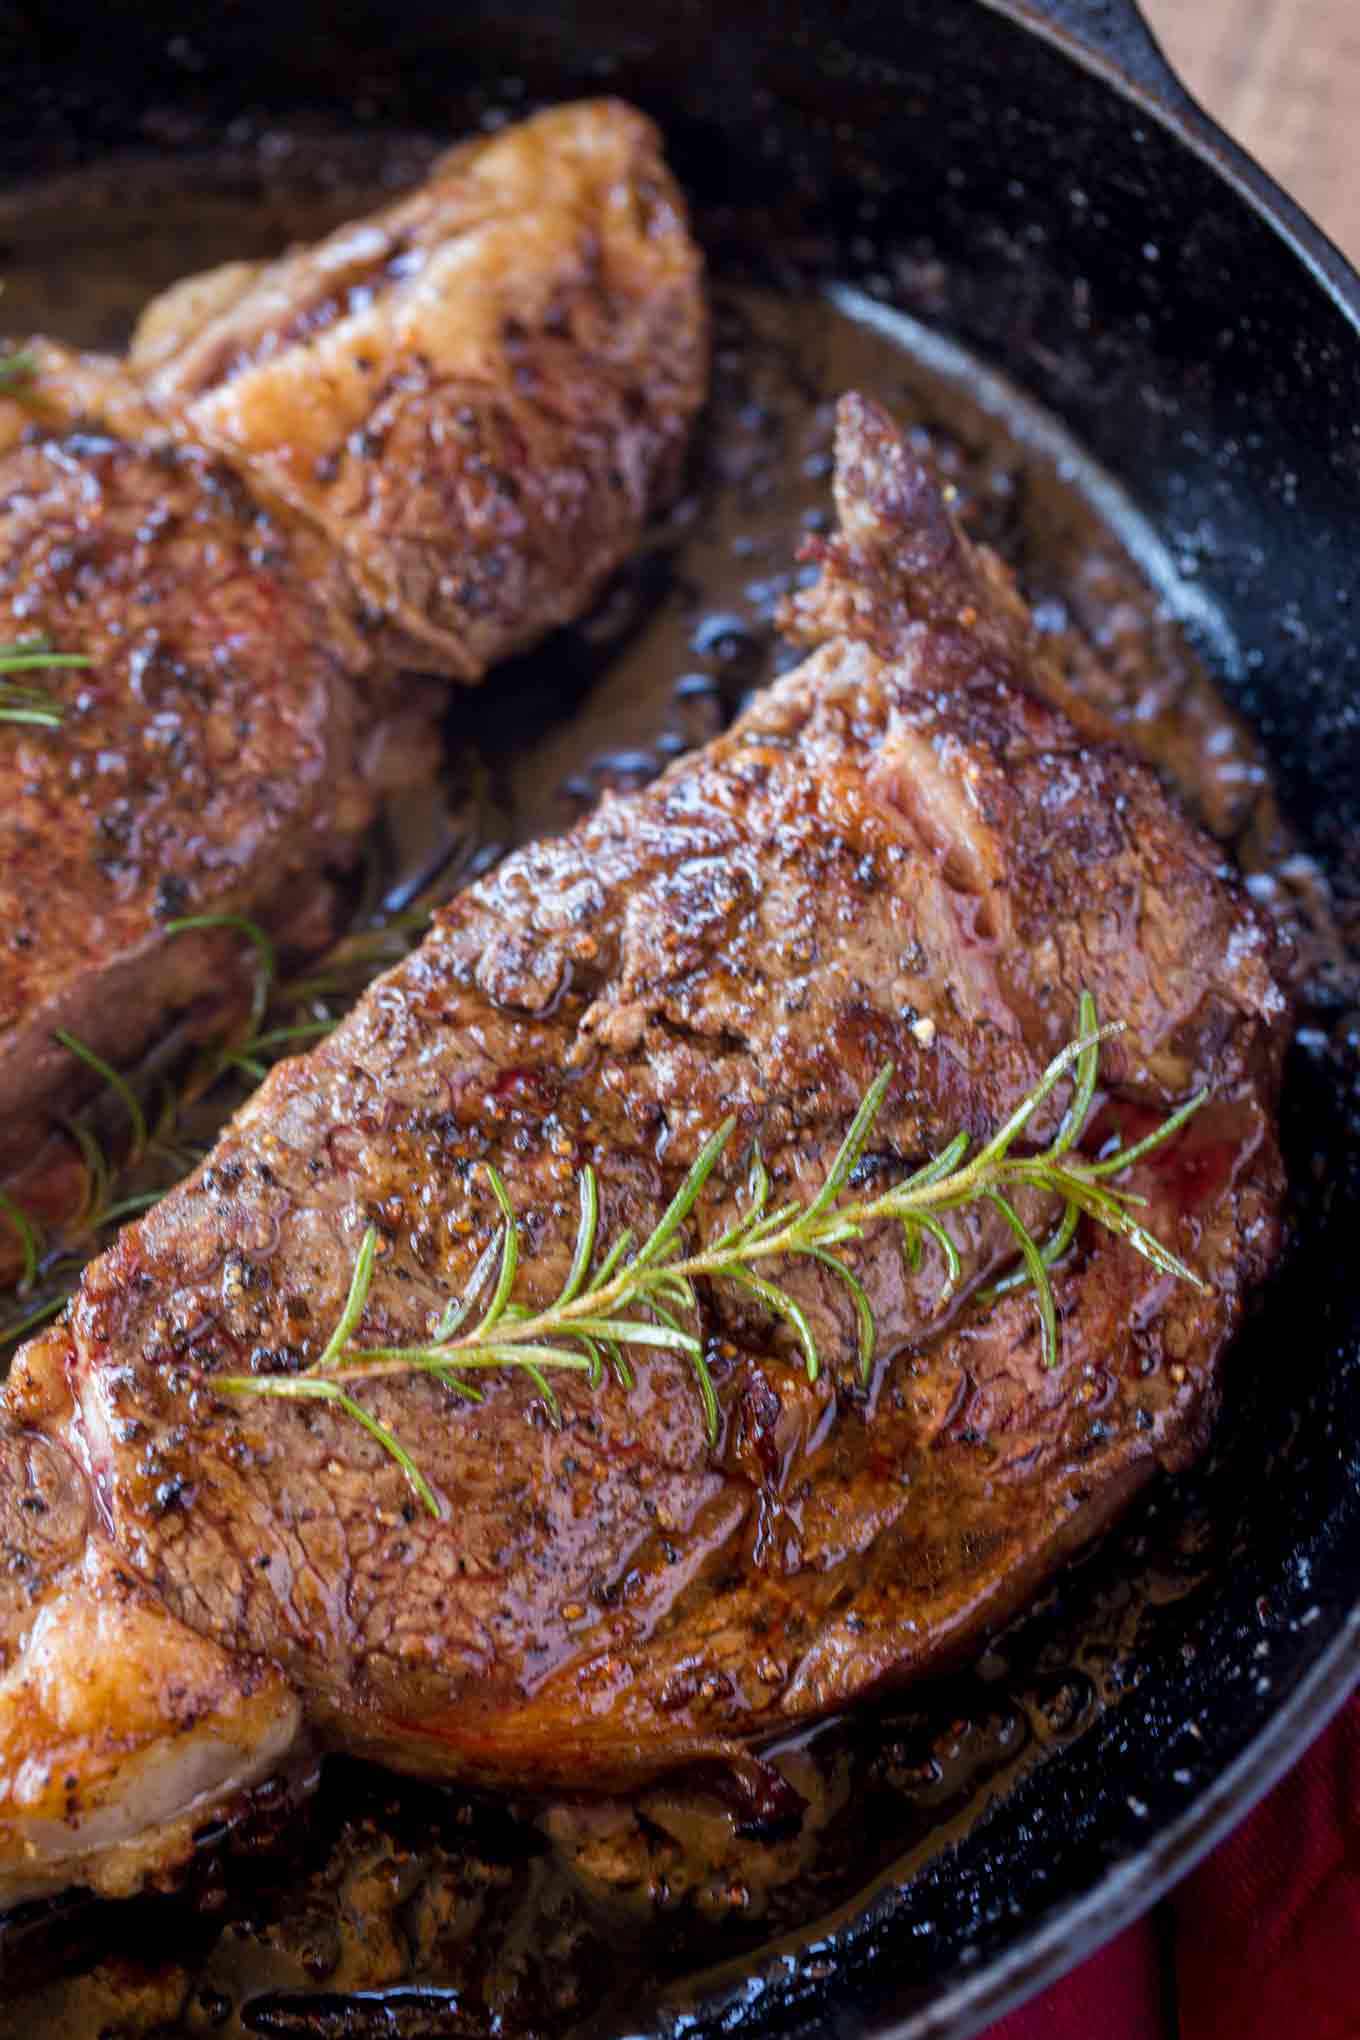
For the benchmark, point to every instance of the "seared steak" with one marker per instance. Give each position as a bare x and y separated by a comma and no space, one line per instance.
475,396
900,852
428,438
216,757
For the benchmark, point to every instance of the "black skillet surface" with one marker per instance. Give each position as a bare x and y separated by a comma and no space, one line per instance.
1039,190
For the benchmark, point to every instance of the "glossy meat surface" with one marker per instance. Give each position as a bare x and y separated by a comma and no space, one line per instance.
897,853
215,757
476,395
427,440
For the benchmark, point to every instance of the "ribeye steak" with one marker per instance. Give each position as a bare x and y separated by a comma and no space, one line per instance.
900,852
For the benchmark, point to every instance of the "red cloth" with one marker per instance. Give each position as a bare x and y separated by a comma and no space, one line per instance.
1262,1942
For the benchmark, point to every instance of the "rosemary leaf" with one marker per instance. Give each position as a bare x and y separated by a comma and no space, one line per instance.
1123,1157
306,1388
248,1065
945,1163
31,1319
1084,1089
19,704
749,1234
301,1030
782,1305
550,1402
457,1311
1116,1220
505,1281
943,1238
683,1202
130,1207
34,709
676,1289
359,1284
634,1332
585,1236
864,1314
1052,1250
116,1082
96,1163
28,1237
1037,1272
709,1397
852,1147
1005,1138
377,1360
35,655
535,1355
459,1387
266,968
392,1445
18,366
605,1272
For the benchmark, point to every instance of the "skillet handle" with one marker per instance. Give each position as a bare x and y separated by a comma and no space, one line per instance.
1112,37
1115,31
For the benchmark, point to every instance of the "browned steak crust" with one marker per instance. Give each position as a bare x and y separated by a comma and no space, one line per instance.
429,438
474,396
210,759
892,855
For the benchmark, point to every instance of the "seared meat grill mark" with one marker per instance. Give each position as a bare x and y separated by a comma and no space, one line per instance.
281,498
898,833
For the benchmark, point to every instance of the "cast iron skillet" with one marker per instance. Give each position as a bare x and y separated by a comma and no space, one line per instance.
1044,192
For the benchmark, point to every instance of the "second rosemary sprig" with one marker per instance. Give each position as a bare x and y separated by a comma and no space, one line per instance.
21,702
634,1295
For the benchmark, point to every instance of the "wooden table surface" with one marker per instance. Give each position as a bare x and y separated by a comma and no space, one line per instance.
1283,77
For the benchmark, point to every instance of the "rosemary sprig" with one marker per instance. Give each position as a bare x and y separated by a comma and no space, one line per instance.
181,1099
596,1311
20,704
18,366
159,1109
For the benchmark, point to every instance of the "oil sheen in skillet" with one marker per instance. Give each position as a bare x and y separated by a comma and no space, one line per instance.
536,1918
